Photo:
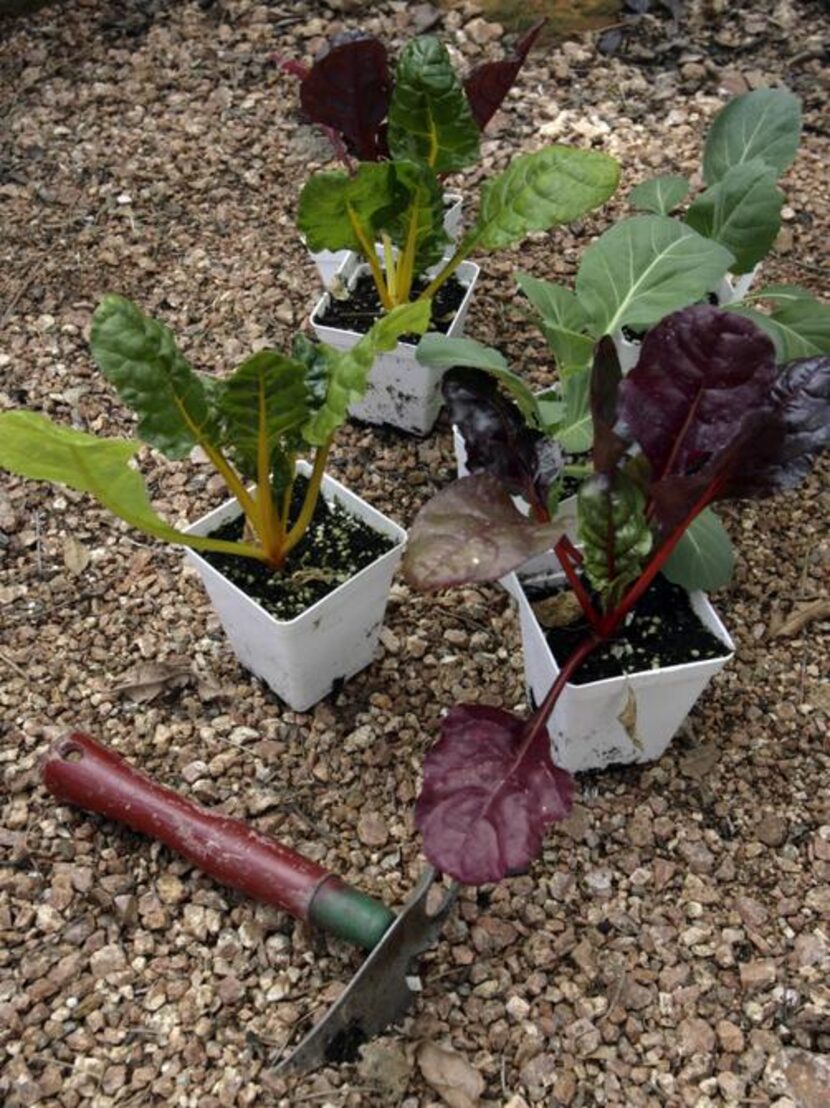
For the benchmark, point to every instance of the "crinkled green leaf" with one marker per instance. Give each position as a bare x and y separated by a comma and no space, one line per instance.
563,321
430,120
327,199
349,369
542,190
614,533
139,356
741,211
704,558
644,268
660,195
765,123
32,446
265,400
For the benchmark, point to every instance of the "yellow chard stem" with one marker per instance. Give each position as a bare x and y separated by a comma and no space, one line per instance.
273,533
391,269
311,496
246,502
371,257
406,267
446,271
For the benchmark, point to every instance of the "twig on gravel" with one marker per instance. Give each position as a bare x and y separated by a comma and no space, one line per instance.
304,1097
612,1004
22,286
13,665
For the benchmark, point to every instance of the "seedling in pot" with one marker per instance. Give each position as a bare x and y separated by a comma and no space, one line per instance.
252,426
399,204
349,89
705,416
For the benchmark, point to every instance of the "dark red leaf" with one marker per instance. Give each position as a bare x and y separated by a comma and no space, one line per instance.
700,371
348,89
489,83
606,376
486,801
472,531
294,68
497,438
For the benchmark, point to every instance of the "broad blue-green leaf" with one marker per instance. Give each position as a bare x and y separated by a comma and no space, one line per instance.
139,356
430,120
614,533
742,212
32,446
645,267
563,321
799,327
576,430
349,370
763,124
265,399
660,195
779,294
330,203
704,557
539,191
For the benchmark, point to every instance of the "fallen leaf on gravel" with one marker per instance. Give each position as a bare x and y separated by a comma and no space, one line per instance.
699,762
148,680
76,557
457,1082
628,720
384,1063
796,621
560,610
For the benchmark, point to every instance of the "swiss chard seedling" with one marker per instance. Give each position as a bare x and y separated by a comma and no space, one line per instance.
706,415
252,426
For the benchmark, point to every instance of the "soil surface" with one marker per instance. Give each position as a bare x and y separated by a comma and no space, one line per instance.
361,308
662,630
335,547
670,947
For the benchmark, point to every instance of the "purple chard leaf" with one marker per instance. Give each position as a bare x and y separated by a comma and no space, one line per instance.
489,83
490,791
606,376
498,440
471,531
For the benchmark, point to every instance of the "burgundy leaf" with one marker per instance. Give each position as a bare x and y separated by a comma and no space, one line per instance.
348,89
294,68
472,531
497,438
606,376
487,798
489,83
700,371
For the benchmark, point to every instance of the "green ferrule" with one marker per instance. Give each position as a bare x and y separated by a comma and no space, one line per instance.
349,913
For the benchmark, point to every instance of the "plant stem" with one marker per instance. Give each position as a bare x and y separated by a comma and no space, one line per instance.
311,496
406,267
391,268
273,532
235,485
224,546
461,252
371,257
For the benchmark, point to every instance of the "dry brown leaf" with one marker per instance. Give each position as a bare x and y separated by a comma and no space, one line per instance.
628,719
796,621
148,680
700,762
459,1084
560,610
76,557
384,1063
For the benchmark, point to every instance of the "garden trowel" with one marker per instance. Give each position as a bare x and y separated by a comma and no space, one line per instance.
78,770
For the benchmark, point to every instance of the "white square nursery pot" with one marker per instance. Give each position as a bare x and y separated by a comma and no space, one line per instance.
401,391
329,261
302,658
584,728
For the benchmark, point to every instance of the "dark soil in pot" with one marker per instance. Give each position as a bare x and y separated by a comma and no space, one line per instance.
336,546
662,630
362,307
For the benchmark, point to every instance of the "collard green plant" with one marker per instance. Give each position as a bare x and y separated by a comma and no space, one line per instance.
252,425
349,90
706,415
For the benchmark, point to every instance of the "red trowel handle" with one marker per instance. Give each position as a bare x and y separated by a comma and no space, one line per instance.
78,770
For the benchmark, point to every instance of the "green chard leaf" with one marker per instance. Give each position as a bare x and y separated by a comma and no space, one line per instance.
704,557
330,203
660,195
430,121
741,211
614,531
139,356
563,320
264,401
644,268
348,371
765,123
422,199
539,191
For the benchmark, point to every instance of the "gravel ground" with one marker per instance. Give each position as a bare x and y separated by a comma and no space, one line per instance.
671,945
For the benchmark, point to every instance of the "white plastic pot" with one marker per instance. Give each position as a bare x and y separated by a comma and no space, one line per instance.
300,659
329,261
401,391
584,727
